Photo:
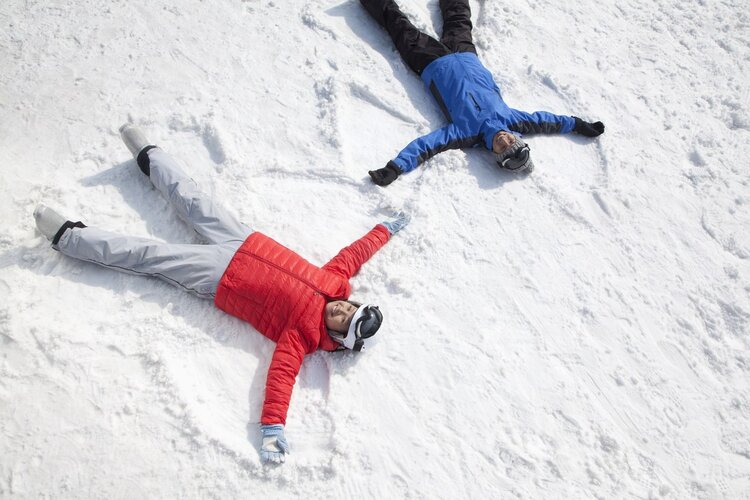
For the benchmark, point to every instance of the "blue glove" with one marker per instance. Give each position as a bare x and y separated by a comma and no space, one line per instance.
397,223
274,447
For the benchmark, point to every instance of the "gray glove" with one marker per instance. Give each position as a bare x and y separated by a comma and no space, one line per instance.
274,447
397,222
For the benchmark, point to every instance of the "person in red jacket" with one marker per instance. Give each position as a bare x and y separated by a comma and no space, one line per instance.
296,304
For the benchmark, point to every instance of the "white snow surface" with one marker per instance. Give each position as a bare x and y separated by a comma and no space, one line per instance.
580,332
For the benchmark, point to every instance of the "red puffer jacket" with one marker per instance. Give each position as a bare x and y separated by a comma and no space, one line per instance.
284,296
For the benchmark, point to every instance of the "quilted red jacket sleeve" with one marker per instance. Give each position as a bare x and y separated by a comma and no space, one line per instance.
285,365
348,261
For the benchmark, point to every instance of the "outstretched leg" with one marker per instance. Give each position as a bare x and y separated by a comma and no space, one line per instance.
457,25
206,217
194,268
416,48
196,208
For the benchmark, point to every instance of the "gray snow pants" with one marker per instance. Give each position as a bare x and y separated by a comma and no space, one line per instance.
194,268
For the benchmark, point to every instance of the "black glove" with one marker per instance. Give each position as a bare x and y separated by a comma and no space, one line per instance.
588,129
386,175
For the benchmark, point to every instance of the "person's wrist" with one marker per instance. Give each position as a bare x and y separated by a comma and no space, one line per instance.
394,168
578,124
270,429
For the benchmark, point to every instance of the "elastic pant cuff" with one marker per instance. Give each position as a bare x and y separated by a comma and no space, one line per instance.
143,161
65,227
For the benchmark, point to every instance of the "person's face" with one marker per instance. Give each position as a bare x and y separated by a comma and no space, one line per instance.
338,315
502,141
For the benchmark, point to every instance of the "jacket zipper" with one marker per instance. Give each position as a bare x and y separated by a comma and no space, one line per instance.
303,280
476,104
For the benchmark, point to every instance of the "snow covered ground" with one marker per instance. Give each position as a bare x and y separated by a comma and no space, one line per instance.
580,332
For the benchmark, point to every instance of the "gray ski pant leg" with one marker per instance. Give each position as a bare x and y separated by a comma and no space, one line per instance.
207,218
194,268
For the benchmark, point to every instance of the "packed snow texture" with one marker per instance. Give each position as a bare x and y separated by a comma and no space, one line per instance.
580,332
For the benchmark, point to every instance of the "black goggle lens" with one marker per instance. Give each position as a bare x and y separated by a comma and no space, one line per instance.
369,323
518,160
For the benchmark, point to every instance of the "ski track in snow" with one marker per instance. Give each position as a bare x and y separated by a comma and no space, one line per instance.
579,332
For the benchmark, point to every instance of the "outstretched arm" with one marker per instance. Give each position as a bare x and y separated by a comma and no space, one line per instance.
282,373
420,150
348,261
541,122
